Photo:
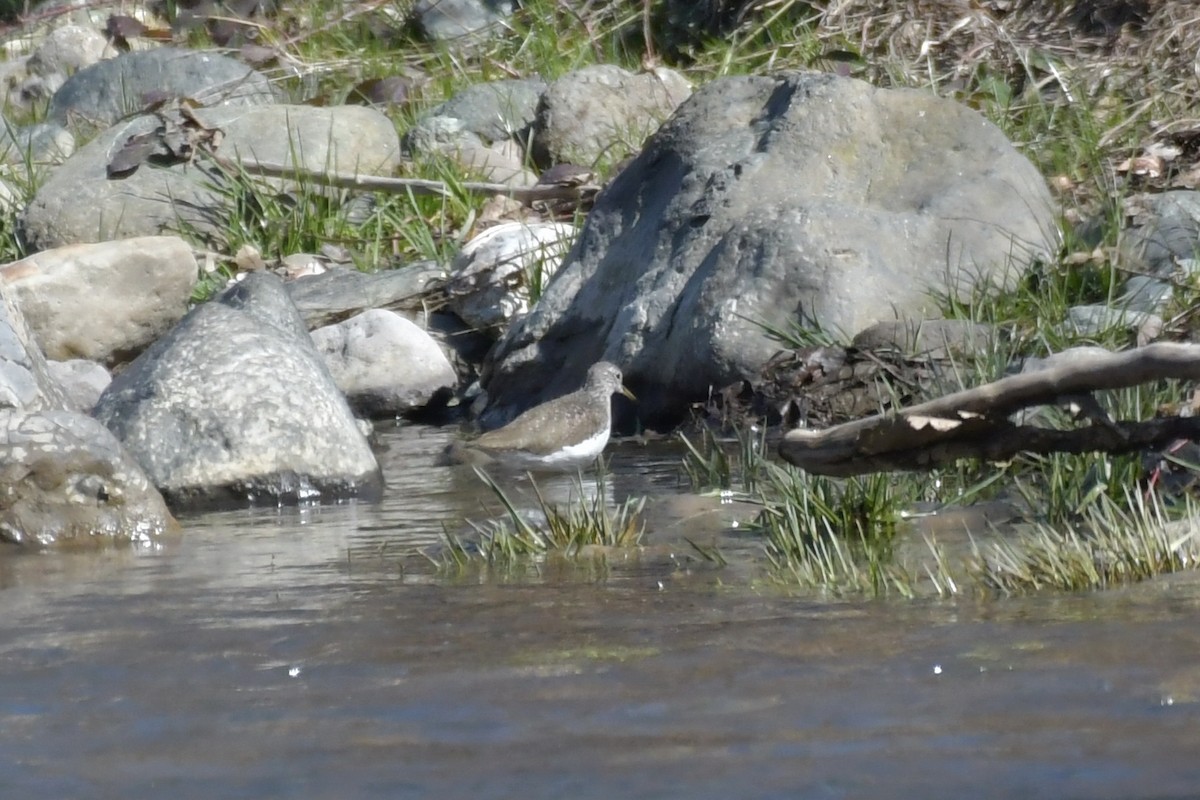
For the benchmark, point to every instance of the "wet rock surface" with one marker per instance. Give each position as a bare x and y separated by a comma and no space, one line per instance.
235,405
64,479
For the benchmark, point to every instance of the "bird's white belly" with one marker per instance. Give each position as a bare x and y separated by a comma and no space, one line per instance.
577,454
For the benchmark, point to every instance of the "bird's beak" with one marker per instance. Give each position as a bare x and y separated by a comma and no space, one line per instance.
625,391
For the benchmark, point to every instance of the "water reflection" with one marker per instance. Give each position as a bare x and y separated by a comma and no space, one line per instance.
285,653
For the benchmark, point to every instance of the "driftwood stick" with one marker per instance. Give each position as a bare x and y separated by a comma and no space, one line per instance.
973,423
380,183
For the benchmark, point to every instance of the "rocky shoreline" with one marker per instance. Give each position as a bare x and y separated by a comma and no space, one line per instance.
746,205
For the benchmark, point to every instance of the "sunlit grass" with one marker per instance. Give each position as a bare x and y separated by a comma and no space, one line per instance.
570,529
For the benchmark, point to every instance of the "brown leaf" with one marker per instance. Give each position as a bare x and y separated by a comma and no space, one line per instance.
1147,166
256,55
120,28
391,91
134,152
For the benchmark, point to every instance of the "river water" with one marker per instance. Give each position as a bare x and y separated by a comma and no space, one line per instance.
310,654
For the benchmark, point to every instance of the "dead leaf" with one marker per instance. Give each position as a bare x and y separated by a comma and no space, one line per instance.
134,152
391,91
1062,183
1144,166
256,55
120,28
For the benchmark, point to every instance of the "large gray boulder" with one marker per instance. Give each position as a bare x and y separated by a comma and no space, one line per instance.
64,479
82,202
109,90
105,301
796,199
235,405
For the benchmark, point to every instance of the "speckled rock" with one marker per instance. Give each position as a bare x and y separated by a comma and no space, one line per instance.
235,406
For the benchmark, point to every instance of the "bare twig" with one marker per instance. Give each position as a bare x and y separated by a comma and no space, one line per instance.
417,186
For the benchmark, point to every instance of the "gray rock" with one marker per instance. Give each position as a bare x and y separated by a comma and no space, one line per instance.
109,90
63,476
339,294
603,110
1165,231
501,162
42,143
440,20
494,111
235,405
67,50
772,200
106,301
79,202
66,480
1143,293
492,276
25,379
386,365
82,382
1092,320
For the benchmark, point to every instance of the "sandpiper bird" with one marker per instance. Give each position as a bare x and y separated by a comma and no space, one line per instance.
565,433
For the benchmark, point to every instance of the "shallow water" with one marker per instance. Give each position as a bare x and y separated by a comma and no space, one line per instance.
307,654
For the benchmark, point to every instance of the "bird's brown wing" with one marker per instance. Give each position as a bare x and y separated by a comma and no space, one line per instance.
540,429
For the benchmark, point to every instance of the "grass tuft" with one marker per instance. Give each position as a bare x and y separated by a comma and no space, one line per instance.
570,530
836,536
1111,544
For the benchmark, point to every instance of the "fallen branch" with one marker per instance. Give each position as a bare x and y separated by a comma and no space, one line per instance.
417,186
974,423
